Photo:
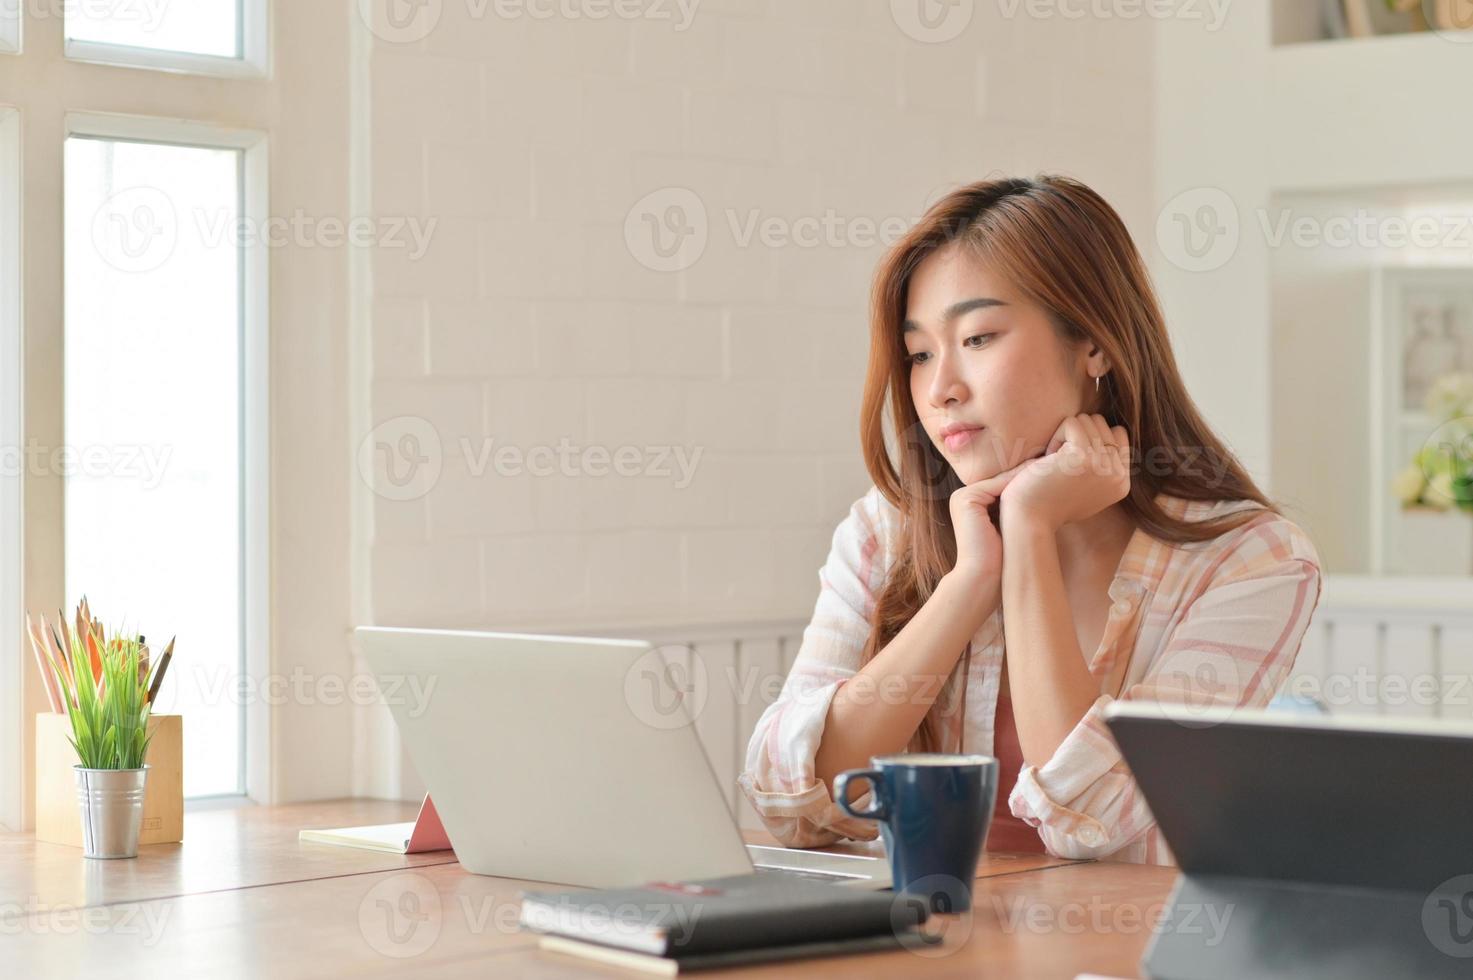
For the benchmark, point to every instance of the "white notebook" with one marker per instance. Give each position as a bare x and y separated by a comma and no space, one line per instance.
424,833
393,837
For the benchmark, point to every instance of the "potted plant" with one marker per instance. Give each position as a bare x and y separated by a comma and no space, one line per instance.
1436,489
107,685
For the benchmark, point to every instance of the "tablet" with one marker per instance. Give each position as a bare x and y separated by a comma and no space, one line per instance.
1310,846
1334,799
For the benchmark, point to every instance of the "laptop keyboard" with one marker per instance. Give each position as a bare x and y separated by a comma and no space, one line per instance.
825,876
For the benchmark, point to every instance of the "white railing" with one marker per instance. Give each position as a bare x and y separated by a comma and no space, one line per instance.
1390,646
1381,646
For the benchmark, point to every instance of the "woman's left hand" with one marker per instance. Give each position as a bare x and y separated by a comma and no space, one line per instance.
1085,469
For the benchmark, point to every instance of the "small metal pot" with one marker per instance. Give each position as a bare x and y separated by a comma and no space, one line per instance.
111,801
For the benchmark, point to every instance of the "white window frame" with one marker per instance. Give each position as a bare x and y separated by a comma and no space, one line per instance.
253,59
255,395
1390,418
44,86
10,29
12,484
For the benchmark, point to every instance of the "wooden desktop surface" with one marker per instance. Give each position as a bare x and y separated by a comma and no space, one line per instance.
242,897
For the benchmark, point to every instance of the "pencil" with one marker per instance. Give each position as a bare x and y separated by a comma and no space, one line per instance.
90,652
61,654
42,647
66,633
158,677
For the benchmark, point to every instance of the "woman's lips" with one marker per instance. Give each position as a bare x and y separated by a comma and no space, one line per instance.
960,438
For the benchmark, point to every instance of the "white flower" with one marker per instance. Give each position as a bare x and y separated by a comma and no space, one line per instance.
1408,485
1439,493
1451,396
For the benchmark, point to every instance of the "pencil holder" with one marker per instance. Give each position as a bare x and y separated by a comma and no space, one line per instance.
58,820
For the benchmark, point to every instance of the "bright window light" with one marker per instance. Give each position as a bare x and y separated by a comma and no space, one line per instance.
153,362
209,27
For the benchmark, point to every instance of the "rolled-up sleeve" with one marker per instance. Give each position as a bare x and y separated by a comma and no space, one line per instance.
779,776
1234,645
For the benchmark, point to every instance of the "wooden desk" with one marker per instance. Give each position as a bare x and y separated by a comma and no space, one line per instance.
242,897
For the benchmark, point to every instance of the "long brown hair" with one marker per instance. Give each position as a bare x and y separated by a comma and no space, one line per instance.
1060,244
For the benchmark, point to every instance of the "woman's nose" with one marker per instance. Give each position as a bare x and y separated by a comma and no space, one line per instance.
947,385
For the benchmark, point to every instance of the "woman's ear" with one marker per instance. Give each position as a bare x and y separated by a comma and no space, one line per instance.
1096,364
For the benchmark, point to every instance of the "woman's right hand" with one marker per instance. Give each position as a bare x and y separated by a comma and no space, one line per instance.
978,543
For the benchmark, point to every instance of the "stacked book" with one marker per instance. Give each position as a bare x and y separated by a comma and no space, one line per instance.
670,927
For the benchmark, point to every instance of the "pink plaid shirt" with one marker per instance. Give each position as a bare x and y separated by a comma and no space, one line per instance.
1216,622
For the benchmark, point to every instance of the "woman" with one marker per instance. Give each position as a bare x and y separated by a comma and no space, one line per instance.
1063,530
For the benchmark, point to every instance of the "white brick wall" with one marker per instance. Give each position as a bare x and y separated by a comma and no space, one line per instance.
529,320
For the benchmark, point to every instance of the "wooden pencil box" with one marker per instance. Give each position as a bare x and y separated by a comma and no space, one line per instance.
57,818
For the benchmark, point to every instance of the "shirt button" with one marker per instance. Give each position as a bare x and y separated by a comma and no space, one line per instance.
1089,835
1122,607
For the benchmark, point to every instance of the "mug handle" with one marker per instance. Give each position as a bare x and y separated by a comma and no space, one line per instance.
880,810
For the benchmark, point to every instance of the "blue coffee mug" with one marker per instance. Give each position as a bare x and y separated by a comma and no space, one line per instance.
934,811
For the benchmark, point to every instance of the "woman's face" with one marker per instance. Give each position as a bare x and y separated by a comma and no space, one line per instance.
984,356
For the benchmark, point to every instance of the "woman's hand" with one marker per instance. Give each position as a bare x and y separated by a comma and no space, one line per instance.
1085,469
978,543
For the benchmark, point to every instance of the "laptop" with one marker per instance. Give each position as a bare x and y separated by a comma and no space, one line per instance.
571,760
1309,845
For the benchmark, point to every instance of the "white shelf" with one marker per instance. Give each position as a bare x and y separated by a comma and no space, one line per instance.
1379,111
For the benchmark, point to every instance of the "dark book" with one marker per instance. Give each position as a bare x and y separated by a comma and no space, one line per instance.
719,915
672,965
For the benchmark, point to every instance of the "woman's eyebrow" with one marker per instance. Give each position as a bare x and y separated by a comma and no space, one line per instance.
957,309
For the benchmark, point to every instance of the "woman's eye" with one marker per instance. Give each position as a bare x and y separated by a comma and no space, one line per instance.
920,357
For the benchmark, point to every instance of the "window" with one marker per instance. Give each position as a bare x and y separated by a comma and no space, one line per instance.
217,37
209,27
9,28
158,382
137,291
12,472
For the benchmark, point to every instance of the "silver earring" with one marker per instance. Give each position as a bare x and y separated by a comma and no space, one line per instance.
1097,384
